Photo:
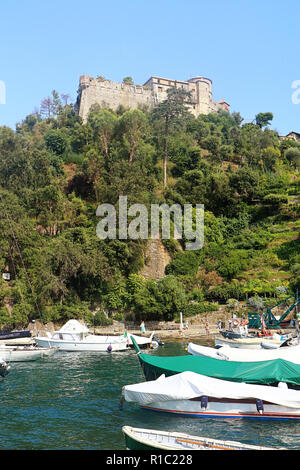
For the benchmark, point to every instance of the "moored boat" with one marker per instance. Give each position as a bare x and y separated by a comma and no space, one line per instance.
24,353
288,353
196,395
5,335
74,336
255,372
143,341
250,342
151,439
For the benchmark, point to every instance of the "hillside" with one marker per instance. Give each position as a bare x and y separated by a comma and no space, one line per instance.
55,171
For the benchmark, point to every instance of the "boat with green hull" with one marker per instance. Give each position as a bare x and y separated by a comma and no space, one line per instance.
261,372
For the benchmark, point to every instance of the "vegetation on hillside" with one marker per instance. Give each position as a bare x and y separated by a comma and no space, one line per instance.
55,171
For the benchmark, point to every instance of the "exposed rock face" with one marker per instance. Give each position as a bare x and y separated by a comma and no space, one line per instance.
156,260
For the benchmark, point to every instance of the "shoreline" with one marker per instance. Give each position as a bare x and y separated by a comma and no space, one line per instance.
163,330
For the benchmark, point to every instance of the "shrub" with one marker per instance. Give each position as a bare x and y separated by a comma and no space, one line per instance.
56,141
276,199
196,308
183,263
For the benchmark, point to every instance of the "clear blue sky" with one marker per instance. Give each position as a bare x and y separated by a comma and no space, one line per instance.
249,48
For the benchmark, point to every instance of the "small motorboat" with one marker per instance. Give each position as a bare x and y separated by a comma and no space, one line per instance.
144,342
250,342
5,335
25,353
151,439
18,337
74,336
194,395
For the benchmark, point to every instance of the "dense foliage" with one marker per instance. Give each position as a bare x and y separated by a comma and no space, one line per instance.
55,171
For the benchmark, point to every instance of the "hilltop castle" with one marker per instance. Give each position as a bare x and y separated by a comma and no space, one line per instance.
113,94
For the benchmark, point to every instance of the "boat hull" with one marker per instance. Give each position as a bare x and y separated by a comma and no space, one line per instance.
148,439
217,408
253,343
82,346
24,355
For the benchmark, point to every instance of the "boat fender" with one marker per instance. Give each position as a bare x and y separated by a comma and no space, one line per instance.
259,406
109,348
204,402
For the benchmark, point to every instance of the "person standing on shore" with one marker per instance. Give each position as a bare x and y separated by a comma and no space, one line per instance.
207,328
143,328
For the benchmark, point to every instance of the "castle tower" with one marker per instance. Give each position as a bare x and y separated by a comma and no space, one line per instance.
205,103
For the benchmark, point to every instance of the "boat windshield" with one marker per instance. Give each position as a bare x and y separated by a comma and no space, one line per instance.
65,337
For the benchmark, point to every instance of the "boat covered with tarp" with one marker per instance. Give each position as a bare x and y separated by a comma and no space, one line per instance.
259,372
197,395
288,353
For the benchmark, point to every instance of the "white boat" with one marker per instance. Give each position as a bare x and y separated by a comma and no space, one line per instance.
74,336
25,353
151,439
288,353
195,395
250,342
143,341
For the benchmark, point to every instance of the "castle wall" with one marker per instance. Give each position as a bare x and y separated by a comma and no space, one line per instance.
113,94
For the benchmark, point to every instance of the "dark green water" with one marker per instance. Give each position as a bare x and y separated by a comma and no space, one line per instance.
71,401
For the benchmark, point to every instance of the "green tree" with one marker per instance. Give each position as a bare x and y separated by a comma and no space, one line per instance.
103,123
263,119
293,156
128,80
56,141
133,126
172,112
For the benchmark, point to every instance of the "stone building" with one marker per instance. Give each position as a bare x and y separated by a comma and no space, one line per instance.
114,94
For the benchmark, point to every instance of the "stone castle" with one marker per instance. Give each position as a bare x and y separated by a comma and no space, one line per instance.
114,94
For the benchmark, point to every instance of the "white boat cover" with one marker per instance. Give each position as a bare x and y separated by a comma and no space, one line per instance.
74,326
189,385
288,353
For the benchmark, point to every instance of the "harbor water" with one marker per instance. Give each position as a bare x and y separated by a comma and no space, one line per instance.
71,401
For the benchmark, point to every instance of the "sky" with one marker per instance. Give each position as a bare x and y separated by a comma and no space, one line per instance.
248,48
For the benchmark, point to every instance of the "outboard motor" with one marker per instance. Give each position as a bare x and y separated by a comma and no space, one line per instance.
204,402
159,341
259,406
